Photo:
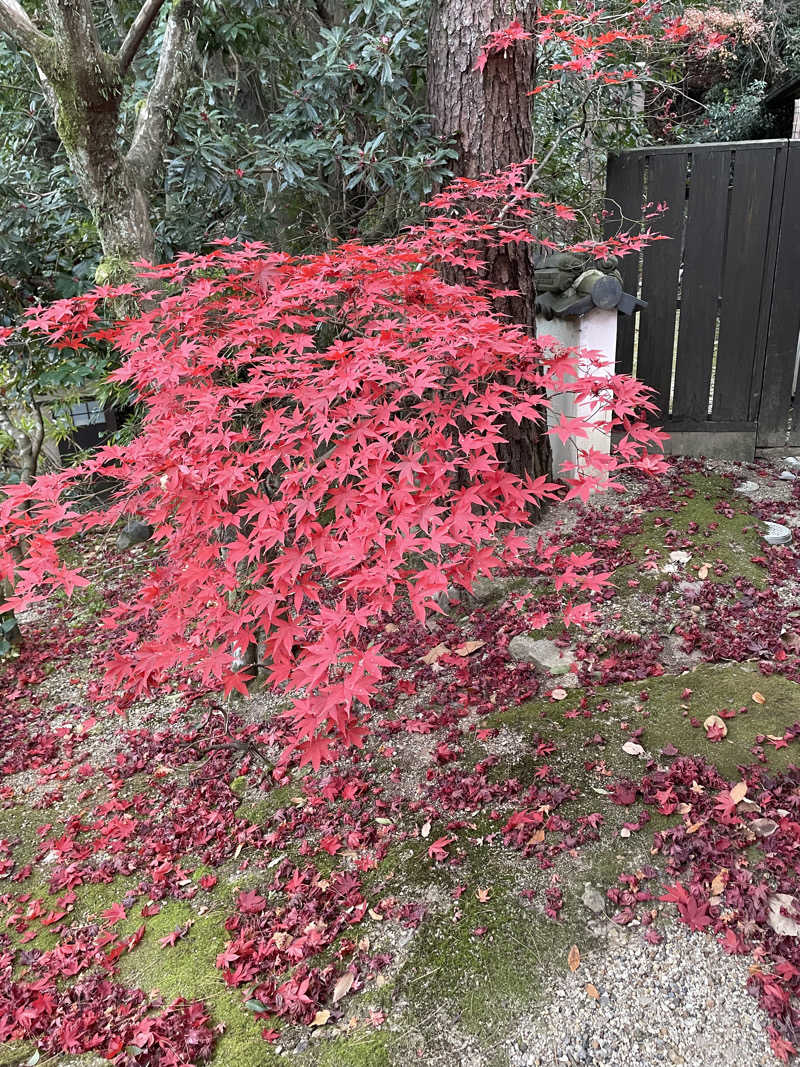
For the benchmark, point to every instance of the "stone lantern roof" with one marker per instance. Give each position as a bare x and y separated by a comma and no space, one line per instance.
569,285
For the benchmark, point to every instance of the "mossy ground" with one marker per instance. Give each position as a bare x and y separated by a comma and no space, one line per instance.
447,978
732,540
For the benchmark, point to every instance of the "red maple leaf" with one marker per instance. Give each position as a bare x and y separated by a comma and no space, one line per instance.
116,913
250,903
438,850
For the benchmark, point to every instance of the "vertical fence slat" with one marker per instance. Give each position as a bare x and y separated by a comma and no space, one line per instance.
666,184
770,257
784,319
742,283
700,284
624,195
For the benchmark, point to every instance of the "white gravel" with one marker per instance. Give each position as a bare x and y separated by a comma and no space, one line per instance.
681,1002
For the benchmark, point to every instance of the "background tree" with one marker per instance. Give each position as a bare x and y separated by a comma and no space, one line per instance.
83,75
484,109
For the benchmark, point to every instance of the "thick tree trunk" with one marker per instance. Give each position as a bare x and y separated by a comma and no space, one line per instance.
87,121
487,115
83,85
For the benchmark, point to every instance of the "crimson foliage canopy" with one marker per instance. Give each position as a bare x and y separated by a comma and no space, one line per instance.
320,439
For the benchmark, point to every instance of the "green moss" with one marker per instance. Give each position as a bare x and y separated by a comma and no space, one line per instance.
734,542
188,969
481,983
114,270
661,715
358,1050
258,807
86,604
15,1053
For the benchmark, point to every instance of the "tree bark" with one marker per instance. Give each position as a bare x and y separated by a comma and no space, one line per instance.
486,113
83,85
28,445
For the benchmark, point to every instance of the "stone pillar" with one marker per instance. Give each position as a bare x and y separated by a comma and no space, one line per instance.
597,332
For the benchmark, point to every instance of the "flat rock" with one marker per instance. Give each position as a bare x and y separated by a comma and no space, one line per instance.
777,534
542,653
673,654
593,899
484,590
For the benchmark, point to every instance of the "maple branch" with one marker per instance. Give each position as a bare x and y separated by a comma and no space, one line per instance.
537,168
136,34
37,436
116,18
15,23
157,116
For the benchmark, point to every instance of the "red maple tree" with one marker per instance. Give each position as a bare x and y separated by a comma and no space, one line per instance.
320,438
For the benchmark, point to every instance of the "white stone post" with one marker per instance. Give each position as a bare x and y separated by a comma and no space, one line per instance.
597,332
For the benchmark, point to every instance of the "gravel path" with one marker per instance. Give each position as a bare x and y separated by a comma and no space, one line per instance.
681,1002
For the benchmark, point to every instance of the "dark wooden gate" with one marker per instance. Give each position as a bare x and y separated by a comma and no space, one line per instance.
719,337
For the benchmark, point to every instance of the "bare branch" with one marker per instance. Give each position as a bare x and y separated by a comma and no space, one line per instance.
157,116
16,24
37,435
136,34
116,18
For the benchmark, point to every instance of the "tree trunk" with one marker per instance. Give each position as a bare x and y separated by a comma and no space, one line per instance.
486,113
83,85
28,444
87,121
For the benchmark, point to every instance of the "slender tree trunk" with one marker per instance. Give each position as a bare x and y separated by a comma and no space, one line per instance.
29,446
486,113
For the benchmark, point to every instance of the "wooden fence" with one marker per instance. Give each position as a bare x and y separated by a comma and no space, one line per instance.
719,337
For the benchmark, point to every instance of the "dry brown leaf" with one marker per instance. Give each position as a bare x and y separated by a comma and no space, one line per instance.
426,829
537,837
738,792
759,698
592,991
693,827
391,628
559,694
434,654
343,986
468,648
715,720
482,895
718,882
703,572
574,958
321,1018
